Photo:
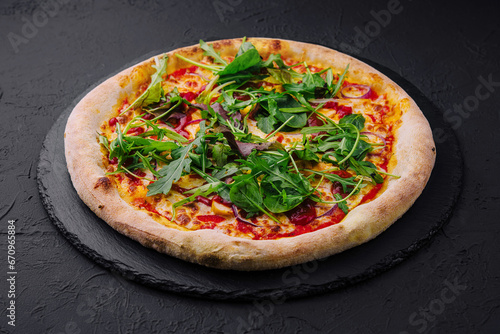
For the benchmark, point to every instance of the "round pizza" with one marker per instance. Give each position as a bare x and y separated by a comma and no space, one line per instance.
249,154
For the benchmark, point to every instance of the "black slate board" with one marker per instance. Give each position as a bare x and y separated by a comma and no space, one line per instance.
97,240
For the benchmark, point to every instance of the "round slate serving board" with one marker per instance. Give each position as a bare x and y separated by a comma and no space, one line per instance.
101,243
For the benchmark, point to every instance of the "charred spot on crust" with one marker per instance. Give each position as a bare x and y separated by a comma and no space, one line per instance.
189,52
103,182
194,50
433,149
210,260
100,206
124,81
276,45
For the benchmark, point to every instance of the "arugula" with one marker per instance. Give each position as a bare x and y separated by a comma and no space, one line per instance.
355,119
283,190
306,154
276,115
220,153
341,203
204,190
173,171
209,51
243,62
345,182
246,194
268,180
154,92
366,168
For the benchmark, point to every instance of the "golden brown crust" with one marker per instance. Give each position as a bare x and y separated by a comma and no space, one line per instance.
414,153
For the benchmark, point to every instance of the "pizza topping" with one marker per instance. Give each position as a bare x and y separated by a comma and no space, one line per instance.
113,121
302,214
221,209
210,218
204,200
356,91
274,142
239,218
154,91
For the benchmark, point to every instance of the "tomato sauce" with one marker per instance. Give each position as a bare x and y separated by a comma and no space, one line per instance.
135,131
210,218
180,72
147,206
302,214
371,194
341,110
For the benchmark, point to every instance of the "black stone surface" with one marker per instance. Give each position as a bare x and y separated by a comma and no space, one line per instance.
447,50
101,243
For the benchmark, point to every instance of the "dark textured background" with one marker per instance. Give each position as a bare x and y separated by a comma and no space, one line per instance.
442,48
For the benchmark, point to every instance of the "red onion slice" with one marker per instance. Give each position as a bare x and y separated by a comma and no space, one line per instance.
356,91
165,126
329,212
376,135
241,220
194,121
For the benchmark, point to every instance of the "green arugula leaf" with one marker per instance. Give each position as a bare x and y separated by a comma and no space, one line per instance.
266,123
241,63
280,200
329,78
357,120
170,174
154,92
344,182
119,148
339,82
220,153
103,140
244,47
147,164
286,101
342,204
246,194
283,192
228,170
273,59
281,76
313,81
367,169
315,129
147,145
306,154
173,171
222,190
209,51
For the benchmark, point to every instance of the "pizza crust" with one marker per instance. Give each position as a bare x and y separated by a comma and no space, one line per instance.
414,152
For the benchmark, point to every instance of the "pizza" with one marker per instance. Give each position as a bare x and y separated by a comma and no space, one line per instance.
249,154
